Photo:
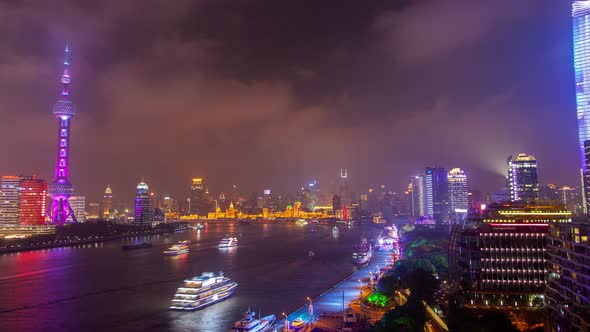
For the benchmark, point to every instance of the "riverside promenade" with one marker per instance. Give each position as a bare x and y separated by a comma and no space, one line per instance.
341,295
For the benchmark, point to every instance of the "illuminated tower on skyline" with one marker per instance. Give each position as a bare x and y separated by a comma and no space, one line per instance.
61,189
581,38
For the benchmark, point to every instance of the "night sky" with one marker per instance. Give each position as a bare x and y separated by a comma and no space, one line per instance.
272,94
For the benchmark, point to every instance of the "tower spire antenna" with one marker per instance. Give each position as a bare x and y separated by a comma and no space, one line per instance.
65,77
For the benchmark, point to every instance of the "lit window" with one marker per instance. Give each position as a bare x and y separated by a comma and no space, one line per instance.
62,163
64,122
64,132
63,143
62,152
62,172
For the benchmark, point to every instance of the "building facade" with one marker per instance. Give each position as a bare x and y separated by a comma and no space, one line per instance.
23,200
523,181
458,194
436,187
416,198
78,204
344,187
568,279
498,257
142,204
581,38
199,199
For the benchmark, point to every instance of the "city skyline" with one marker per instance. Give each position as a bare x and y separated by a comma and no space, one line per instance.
247,120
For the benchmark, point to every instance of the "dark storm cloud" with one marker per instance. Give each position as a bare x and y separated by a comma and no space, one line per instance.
268,93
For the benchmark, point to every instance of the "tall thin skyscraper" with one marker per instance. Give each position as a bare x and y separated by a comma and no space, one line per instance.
522,179
416,199
458,194
437,194
106,212
142,204
344,187
61,188
581,29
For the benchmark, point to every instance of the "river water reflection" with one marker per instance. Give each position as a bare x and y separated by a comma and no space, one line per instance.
103,288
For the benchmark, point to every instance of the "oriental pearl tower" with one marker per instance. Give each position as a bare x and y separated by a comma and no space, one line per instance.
61,188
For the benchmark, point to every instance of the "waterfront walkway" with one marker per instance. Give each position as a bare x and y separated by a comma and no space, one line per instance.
348,290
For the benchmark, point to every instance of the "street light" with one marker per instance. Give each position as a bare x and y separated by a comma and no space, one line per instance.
310,308
286,322
361,288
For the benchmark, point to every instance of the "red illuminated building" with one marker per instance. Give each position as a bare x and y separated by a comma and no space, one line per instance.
23,200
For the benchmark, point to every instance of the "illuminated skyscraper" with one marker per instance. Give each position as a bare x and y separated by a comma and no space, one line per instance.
416,199
23,200
522,179
199,198
458,194
142,204
437,194
344,187
581,29
106,211
61,188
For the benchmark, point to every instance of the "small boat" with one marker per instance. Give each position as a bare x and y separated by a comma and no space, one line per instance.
198,226
297,324
201,291
177,249
136,246
301,222
311,254
362,253
250,324
228,242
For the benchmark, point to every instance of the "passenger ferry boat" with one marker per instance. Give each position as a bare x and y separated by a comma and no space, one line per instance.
228,242
250,324
201,291
177,249
362,253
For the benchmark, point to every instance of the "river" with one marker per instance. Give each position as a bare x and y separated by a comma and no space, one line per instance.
104,288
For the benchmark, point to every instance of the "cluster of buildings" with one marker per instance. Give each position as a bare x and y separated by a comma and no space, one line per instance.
440,197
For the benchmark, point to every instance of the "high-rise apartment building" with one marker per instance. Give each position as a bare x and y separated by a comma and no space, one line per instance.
523,181
78,204
567,293
458,194
23,200
436,188
571,197
142,204
581,38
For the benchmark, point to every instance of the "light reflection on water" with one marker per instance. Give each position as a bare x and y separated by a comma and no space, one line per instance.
106,288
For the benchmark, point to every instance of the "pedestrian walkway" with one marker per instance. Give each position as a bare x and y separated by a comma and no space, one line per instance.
345,292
